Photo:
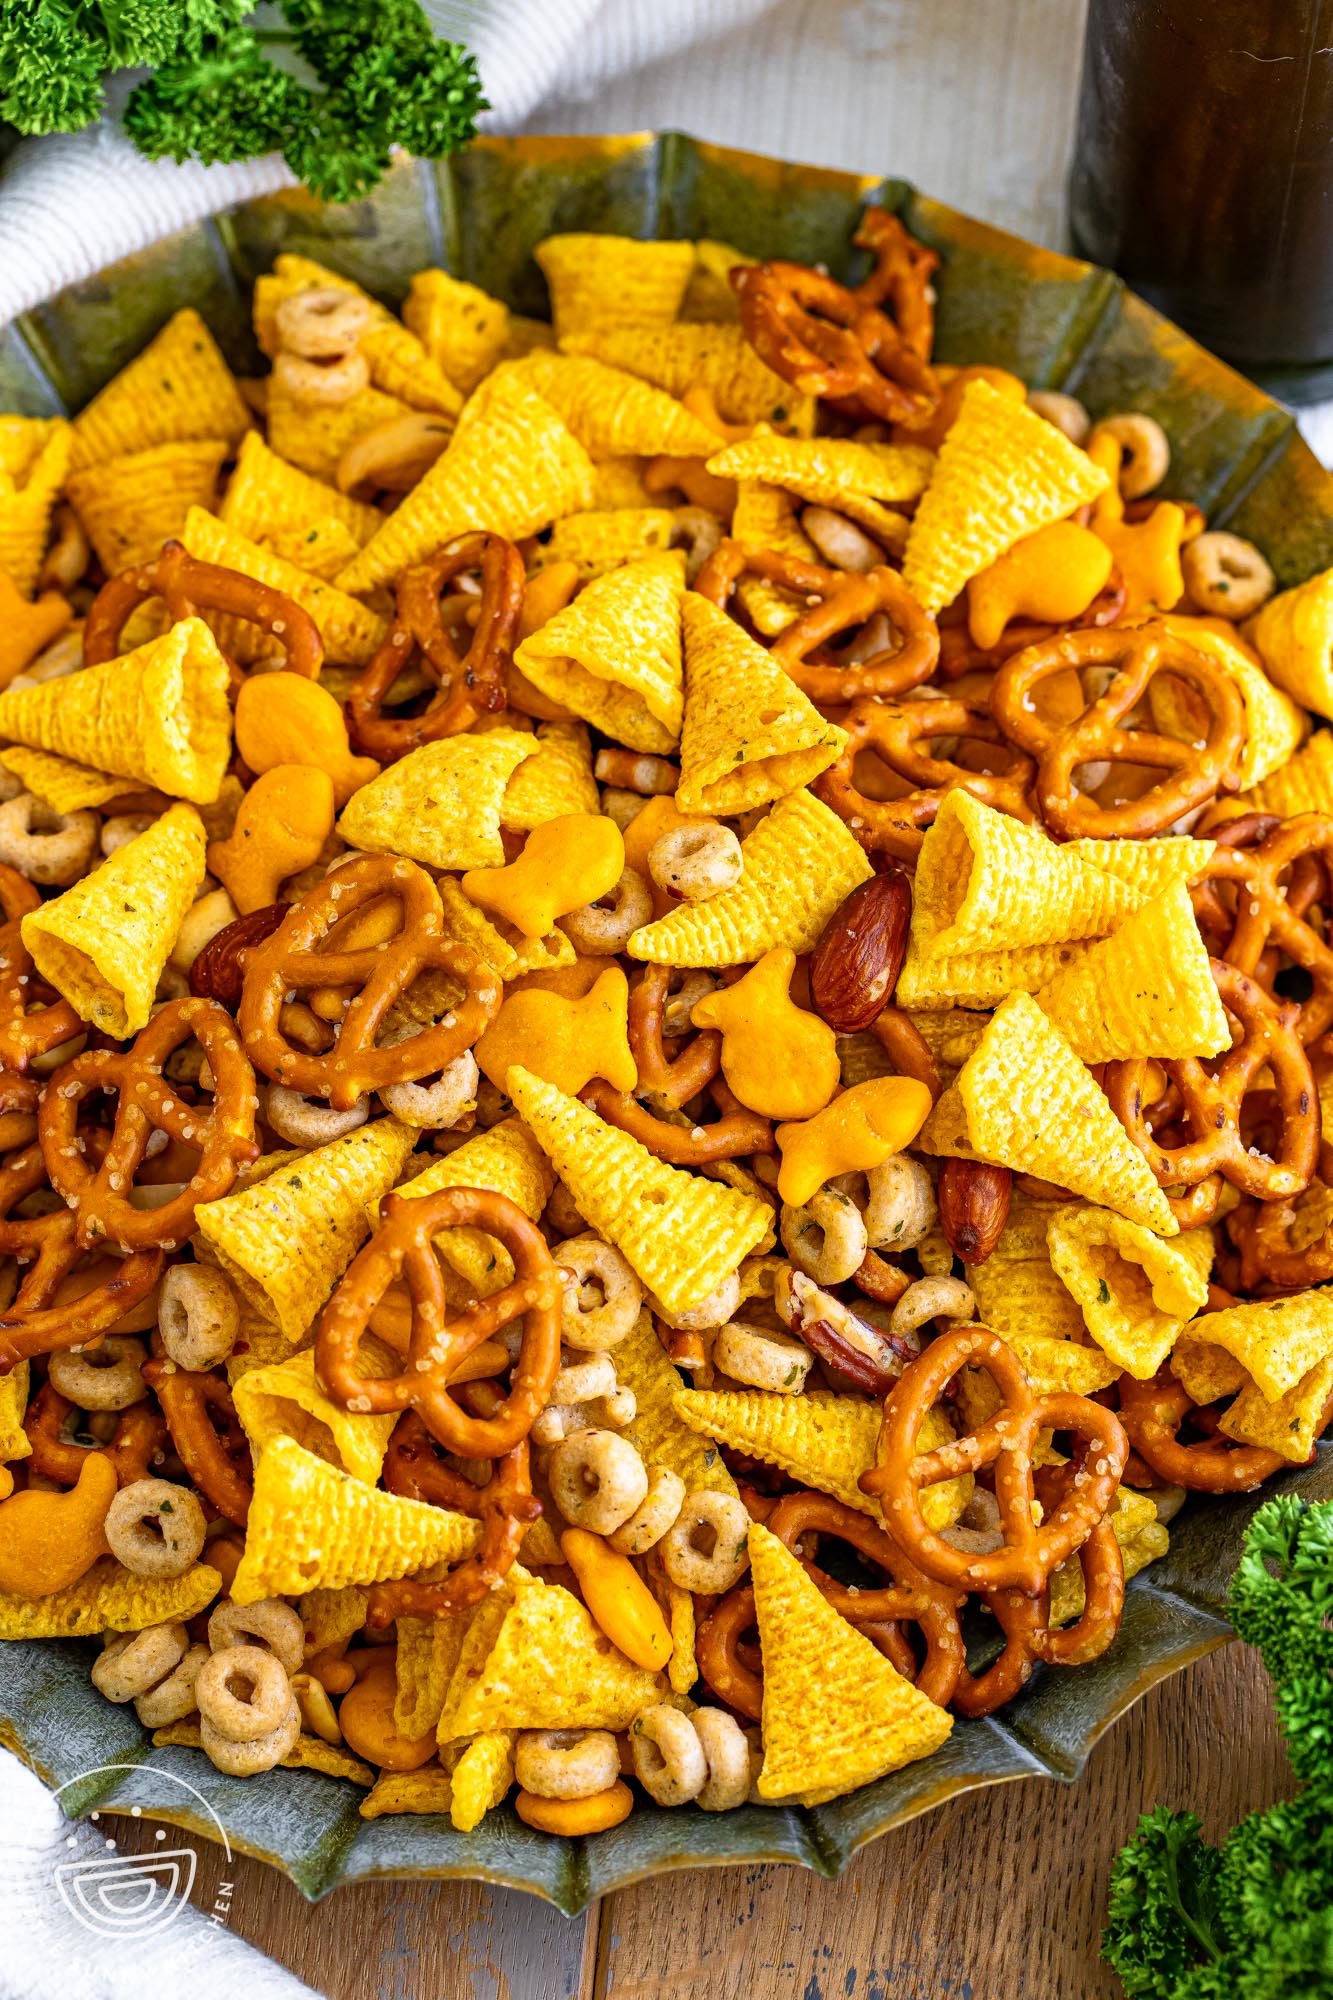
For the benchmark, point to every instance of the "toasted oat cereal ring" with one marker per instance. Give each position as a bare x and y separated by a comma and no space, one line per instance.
197,1317
132,1663
438,1106
321,322
155,1528
931,1298
1226,576
1065,412
321,382
255,1753
696,862
243,1692
50,848
826,1236
270,1623
102,1378
900,1205
572,1817
606,926
762,1360
727,1758
566,1763
602,1298
705,1549
669,1760
305,1121
654,1516
173,1698
581,1378
1145,455
597,1480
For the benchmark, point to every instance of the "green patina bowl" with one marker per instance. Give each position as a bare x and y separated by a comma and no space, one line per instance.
1059,324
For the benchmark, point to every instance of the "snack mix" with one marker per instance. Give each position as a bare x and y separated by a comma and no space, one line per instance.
665,1009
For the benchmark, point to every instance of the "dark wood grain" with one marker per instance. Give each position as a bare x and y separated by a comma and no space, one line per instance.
997,1896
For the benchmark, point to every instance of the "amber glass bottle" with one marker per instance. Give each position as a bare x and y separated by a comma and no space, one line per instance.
1203,173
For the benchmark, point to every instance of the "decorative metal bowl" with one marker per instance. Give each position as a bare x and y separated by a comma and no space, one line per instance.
1059,324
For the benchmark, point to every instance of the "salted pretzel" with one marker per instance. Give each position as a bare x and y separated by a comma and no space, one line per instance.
303,956
1029,1637
101,1197
731,1665
734,1134
959,655
137,1443
188,588
668,1081
506,1507
470,682
1195,772
208,1435
33,1020
1263,1233
1153,1414
1277,871
900,734
900,279
828,341
1208,1102
1006,1442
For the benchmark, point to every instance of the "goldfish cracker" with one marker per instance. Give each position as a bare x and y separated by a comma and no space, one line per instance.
365,1717
618,1599
1146,553
27,629
571,981
49,1540
576,1816
284,820
1052,575
856,1133
565,863
779,1060
565,1041
287,719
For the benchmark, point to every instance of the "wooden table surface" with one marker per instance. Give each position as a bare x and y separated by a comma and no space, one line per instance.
996,1896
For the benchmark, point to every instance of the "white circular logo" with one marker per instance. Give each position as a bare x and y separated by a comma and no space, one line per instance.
125,1896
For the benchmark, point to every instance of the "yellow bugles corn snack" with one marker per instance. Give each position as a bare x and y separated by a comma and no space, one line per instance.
1275,726
720,359
131,505
312,1526
462,328
351,633
1002,473
35,456
606,537
836,1714
1276,1341
1293,636
749,735
179,387
266,496
440,804
595,279
512,466
159,715
285,1400
314,436
399,363
667,1435
1135,1290
551,1668
800,864
612,413
829,472
104,943
1024,1100
614,654
1303,784
554,782
682,1234
1145,991
108,1598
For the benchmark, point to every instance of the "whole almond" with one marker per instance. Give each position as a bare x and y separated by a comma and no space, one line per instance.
974,1207
854,967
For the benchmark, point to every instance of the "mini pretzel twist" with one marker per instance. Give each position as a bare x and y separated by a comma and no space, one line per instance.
506,1507
896,733
1279,869
1209,1103
136,1444
1153,1414
1005,1442
33,1019
224,1135
1196,773
831,342
901,278
188,588
959,655
845,603
207,1433
667,1081
303,956
470,682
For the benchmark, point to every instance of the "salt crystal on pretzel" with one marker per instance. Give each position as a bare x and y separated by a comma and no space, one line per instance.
818,1439
749,734
718,359
836,1714
512,466
551,1668
596,280
65,787
440,804
14,1441
285,1242
1024,1100
35,455
1288,1426
1144,991
1135,1290
614,654
462,328
351,633
801,864
103,944
1293,636
159,715
266,495
286,1400
131,505
1303,784
556,781
605,538
481,1777
314,436
1276,1341
399,363
108,1598
612,413
314,1526
765,517
683,1234
428,1790
506,1159
1002,473
178,387
851,477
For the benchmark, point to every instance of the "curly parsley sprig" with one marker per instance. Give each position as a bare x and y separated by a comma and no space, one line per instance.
333,87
